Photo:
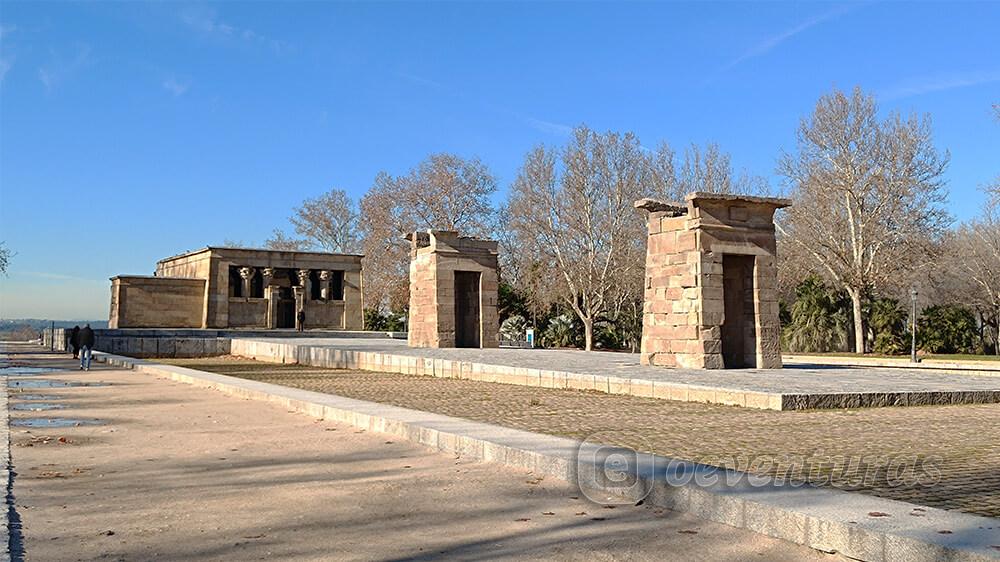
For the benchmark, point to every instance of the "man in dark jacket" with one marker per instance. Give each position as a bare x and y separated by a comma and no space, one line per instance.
86,347
74,341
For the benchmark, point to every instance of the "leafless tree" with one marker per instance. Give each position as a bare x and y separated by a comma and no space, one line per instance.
572,213
281,241
5,255
972,260
578,239
701,169
868,194
330,222
445,192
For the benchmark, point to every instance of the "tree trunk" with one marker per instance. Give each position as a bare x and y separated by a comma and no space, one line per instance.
588,334
859,324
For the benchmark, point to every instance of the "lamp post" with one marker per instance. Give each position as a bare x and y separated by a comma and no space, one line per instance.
913,325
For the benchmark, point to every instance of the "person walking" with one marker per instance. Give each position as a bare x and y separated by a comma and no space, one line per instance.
86,347
74,341
302,320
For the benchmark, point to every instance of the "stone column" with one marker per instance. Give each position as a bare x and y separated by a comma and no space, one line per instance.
304,281
271,293
324,277
247,274
299,303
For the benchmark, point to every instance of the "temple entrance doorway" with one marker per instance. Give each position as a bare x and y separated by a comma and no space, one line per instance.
738,327
467,315
286,308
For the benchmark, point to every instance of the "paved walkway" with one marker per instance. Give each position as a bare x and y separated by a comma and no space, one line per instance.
953,450
826,379
178,472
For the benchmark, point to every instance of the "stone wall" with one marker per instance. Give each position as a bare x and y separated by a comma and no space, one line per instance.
324,314
435,257
247,313
684,312
156,302
160,346
192,266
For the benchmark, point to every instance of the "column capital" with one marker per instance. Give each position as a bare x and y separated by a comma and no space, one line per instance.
246,272
325,275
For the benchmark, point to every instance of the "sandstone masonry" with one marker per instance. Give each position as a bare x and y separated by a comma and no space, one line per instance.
219,287
453,290
711,297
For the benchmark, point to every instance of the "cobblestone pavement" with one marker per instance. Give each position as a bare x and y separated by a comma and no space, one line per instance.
939,456
800,379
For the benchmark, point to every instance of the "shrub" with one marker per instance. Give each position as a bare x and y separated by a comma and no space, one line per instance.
947,329
820,319
561,332
513,328
378,321
887,321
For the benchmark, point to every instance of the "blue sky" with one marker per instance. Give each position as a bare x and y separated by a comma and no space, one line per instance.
134,131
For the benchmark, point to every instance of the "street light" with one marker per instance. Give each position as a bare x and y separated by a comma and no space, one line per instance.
913,325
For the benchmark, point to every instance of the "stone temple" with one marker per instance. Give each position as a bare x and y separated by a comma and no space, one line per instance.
711,299
453,291
242,288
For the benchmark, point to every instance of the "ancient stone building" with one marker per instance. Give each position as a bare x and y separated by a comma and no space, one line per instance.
711,297
453,290
242,288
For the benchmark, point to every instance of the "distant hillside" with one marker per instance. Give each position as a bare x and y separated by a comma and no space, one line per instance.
13,325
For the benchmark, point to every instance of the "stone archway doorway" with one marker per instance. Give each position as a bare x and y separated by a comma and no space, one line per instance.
739,341
467,314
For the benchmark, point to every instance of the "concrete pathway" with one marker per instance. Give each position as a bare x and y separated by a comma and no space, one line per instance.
948,454
176,472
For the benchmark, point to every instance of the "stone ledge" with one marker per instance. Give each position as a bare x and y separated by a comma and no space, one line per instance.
828,520
327,357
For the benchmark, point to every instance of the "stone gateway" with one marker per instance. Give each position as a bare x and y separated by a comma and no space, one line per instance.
453,290
711,298
242,288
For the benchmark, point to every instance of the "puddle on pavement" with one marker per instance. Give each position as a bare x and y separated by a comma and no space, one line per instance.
52,422
26,371
50,383
46,397
37,406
